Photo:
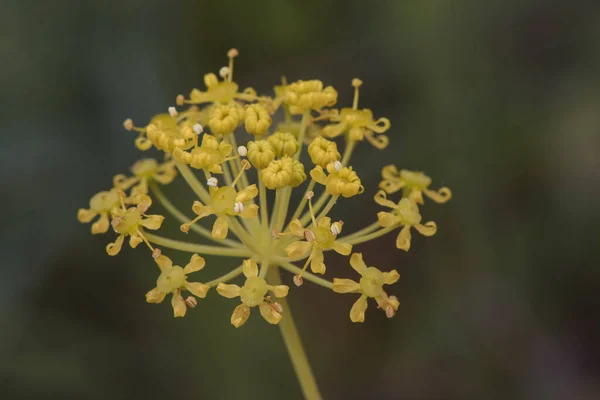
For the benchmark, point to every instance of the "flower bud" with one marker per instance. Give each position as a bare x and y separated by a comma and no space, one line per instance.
284,143
257,120
323,151
223,119
260,153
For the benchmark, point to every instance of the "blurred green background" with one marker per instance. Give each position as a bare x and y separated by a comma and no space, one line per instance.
498,100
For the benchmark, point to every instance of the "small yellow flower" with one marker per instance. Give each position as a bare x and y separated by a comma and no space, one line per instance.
102,204
224,118
284,172
319,237
257,120
323,152
208,156
344,182
252,294
173,279
358,124
260,153
307,95
144,171
370,286
225,201
216,92
405,213
284,143
131,222
414,184
167,135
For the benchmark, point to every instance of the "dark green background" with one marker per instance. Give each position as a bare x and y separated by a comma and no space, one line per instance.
498,100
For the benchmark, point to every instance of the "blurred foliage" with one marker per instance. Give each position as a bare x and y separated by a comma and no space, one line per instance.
498,100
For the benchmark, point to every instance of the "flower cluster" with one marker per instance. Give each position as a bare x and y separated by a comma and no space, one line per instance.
255,221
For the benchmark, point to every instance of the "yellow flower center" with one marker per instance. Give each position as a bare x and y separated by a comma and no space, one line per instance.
104,201
409,212
254,291
371,282
223,200
323,237
357,118
128,223
415,180
171,279
145,168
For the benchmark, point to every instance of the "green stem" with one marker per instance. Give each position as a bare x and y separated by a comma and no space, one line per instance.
366,238
197,248
363,231
302,205
306,275
228,276
327,208
293,343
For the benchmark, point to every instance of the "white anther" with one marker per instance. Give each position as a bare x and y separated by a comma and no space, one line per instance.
298,281
197,129
172,111
337,165
309,195
242,151
212,182
238,207
309,236
224,71
336,229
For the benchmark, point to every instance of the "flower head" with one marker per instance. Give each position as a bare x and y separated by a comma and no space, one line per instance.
101,204
370,286
323,152
284,172
413,183
131,222
260,153
253,293
208,156
167,134
257,120
405,214
344,182
224,118
173,279
145,171
307,95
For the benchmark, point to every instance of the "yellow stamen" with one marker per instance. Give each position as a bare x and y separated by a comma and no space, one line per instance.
310,209
356,83
145,241
232,53
245,166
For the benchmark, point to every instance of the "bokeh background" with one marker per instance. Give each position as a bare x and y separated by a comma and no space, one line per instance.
499,100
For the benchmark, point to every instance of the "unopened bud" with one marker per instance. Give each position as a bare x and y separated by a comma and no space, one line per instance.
309,195
212,182
223,72
298,281
309,236
128,124
238,207
242,151
191,301
337,165
356,82
197,129
179,100
172,111
156,253
185,228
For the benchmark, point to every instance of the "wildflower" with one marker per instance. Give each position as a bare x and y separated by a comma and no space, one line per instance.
101,204
323,152
131,222
281,173
208,156
414,184
370,286
343,182
257,120
253,293
224,119
225,201
405,213
173,279
306,95
358,124
260,153
284,143
167,134
144,171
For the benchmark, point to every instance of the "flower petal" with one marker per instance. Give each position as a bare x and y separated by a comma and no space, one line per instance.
342,248
114,248
381,199
334,130
85,216
357,312
357,263
250,211
429,229
197,289
134,240
403,239
152,222
229,291
298,249
318,175
324,222
240,315
164,262
380,126
155,296
387,219
247,194
279,290
391,277
345,286
270,315
316,263
101,226
201,210
249,268
179,307
441,196
220,228
196,264
296,228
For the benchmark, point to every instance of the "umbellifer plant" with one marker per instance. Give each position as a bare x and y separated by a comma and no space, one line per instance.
199,143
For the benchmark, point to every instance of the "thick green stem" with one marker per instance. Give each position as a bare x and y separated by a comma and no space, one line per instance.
292,341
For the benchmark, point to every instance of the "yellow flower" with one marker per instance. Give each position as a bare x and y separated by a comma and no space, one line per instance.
252,294
370,286
358,124
225,201
319,237
216,92
413,183
145,171
306,95
101,204
257,120
284,172
173,279
209,156
260,153
405,213
167,135
284,143
131,222
224,118
344,182
323,152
